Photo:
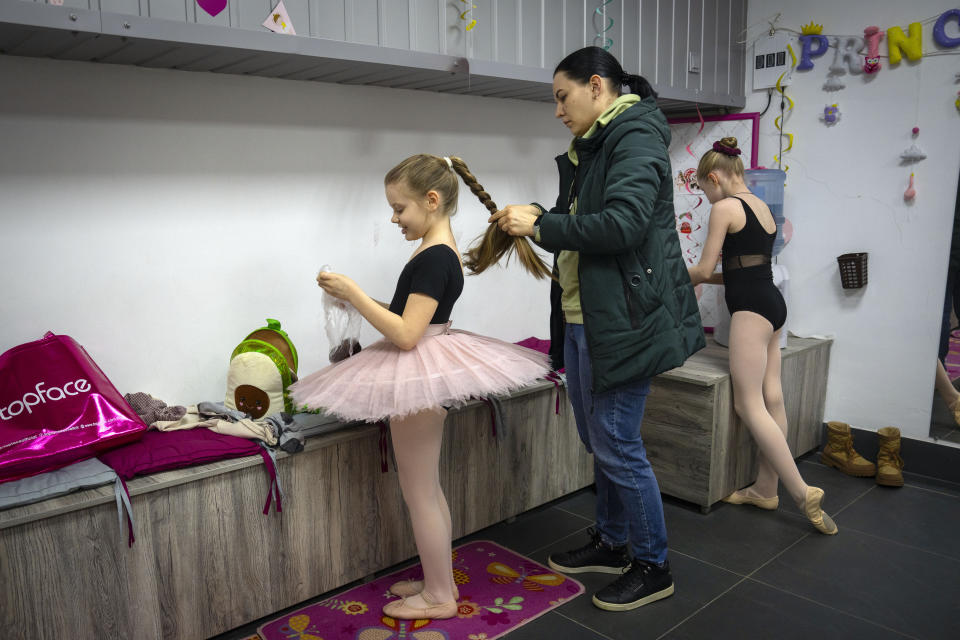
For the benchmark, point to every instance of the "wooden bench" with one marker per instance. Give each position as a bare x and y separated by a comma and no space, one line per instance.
207,560
700,450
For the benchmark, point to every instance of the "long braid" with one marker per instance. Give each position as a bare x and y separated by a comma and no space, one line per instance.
471,181
496,243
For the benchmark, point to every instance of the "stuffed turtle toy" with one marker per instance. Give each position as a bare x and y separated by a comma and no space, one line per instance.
262,367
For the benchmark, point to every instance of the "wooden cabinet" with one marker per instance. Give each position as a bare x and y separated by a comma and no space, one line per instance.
698,447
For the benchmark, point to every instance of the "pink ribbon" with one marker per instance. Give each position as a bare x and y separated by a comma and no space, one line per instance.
699,131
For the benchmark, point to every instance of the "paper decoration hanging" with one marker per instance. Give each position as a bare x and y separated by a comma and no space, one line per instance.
699,131
213,7
833,83
872,36
939,29
911,46
913,153
911,192
778,121
848,49
605,25
831,114
812,45
471,21
279,20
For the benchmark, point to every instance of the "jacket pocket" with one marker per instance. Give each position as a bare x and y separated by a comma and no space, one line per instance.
636,278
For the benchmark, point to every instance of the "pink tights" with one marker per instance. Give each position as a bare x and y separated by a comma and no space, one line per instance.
416,444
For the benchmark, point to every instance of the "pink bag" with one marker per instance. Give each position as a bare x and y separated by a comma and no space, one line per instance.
57,407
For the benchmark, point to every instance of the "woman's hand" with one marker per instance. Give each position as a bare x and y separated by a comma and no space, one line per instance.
516,219
338,285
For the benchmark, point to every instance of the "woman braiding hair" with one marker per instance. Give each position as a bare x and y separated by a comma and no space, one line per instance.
496,244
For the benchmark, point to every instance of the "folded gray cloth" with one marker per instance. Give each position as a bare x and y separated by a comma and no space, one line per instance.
152,409
220,410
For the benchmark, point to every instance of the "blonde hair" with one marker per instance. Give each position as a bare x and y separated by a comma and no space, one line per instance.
714,160
423,172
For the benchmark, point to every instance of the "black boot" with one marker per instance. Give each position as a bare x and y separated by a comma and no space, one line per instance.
641,584
594,556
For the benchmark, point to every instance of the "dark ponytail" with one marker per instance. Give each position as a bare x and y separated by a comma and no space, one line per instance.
589,61
638,85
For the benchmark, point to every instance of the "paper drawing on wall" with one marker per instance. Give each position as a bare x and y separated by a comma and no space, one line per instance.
279,20
687,179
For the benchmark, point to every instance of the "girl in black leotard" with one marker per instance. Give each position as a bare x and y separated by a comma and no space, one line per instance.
742,225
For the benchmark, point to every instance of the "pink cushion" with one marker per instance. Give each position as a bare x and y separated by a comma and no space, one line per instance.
543,346
164,450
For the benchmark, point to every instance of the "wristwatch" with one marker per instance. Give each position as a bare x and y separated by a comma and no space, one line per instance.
536,227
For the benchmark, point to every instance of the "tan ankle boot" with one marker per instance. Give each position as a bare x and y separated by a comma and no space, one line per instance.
889,462
839,453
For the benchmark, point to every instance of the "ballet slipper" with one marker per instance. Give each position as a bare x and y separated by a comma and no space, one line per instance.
738,497
955,410
400,610
817,516
407,588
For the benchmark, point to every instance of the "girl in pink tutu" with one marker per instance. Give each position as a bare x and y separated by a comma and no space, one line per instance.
420,367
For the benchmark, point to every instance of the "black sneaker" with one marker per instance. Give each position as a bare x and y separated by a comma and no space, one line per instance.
594,556
641,584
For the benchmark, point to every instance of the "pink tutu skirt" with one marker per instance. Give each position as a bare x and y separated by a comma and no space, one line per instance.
446,368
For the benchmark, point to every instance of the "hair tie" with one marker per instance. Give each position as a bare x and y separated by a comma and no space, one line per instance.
729,151
449,163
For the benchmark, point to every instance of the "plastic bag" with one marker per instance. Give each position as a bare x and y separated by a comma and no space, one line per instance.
56,407
342,323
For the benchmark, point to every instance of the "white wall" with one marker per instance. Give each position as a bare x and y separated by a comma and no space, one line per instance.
844,193
159,216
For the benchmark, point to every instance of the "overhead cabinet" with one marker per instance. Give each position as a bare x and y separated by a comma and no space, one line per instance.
691,51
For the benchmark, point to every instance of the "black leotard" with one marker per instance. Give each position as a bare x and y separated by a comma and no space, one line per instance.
435,272
751,288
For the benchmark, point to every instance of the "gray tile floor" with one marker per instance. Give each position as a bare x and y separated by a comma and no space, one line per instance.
893,571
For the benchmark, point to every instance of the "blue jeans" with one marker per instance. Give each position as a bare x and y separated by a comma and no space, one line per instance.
629,509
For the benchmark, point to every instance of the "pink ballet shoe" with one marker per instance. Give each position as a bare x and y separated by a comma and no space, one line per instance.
955,410
407,588
400,610
761,503
817,516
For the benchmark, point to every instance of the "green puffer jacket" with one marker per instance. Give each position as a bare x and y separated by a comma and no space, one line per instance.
640,314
